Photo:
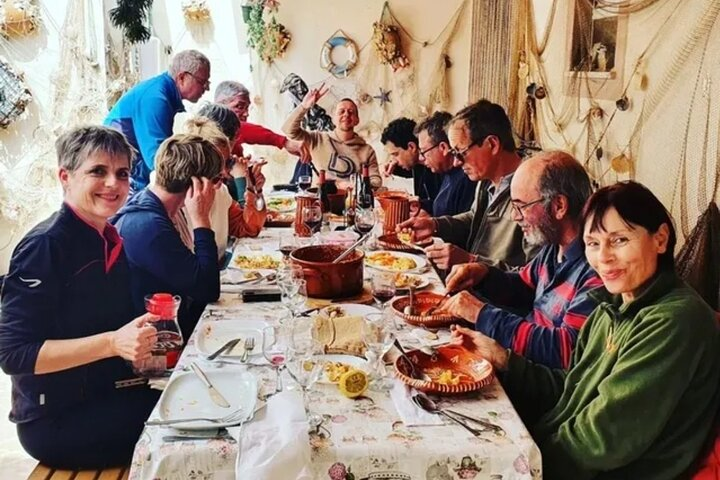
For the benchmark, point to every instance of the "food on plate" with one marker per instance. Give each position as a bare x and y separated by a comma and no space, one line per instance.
252,274
403,280
445,376
405,237
281,203
390,261
353,383
335,370
256,261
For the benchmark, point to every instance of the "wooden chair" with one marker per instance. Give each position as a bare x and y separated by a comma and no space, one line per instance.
41,472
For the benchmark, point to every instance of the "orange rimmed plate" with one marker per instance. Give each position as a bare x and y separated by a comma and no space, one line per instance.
390,241
463,370
423,302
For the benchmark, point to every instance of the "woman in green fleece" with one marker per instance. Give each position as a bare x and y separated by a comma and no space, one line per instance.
639,398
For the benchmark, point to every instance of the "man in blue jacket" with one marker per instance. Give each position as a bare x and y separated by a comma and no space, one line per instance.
145,113
188,173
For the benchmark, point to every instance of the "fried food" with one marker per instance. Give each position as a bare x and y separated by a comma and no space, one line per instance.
335,370
403,280
391,261
256,261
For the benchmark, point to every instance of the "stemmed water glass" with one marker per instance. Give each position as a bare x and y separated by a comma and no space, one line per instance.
383,288
378,336
289,279
304,365
276,349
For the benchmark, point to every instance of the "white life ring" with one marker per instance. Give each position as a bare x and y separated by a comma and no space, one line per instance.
339,71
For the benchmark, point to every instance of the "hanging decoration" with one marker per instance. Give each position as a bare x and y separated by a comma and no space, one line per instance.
338,40
131,16
196,11
383,97
388,47
269,39
14,95
18,18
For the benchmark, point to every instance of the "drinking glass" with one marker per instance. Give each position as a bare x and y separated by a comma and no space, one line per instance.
383,288
312,218
364,220
304,182
276,349
286,244
305,364
378,336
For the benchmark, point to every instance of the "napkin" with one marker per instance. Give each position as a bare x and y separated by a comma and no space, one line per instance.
275,445
341,335
411,414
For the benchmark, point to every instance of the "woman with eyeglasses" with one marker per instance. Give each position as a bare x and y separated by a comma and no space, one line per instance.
188,172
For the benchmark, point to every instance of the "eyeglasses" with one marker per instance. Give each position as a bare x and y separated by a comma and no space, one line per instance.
519,207
460,155
204,82
425,152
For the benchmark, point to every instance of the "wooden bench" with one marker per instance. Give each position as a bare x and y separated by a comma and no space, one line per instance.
42,472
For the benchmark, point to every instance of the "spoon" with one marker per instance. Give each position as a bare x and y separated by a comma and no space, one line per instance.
259,198
426,403
410,307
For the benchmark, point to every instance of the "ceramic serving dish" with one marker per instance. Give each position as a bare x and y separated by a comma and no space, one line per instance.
423,302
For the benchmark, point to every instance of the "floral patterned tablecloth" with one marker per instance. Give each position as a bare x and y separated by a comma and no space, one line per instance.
360,439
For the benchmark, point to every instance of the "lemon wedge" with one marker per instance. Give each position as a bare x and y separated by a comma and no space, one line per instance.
353,383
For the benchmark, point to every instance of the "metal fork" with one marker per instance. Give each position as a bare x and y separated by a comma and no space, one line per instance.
249,345
232,417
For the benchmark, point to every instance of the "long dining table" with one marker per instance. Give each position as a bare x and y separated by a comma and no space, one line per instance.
362,438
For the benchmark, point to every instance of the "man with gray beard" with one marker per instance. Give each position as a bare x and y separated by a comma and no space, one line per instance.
538,311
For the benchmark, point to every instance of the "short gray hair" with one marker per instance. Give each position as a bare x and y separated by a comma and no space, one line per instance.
77,145
563,175
228,89
188,61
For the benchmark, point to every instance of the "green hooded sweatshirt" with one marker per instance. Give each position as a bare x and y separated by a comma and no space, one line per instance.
640,396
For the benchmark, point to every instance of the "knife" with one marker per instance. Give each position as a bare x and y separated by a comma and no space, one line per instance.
215,396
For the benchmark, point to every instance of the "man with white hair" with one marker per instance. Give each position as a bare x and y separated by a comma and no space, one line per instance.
146,112
236,96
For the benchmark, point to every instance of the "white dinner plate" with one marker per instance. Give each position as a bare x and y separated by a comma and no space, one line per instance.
281,203
351,309
355,362
240,252
186,397
424,282
420,262
214,334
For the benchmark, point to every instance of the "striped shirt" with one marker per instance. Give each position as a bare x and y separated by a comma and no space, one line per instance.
538,311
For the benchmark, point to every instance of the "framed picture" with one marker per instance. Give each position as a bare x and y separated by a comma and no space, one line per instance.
596,51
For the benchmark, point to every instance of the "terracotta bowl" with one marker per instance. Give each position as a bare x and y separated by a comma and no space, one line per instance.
423,302
473,371
389,241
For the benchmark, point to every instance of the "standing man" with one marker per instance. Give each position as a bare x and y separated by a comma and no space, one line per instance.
236,96
457,190
145,113
341,152
401,145
482,145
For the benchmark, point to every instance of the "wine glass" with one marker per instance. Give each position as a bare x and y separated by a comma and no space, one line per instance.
383,288
378,336
304,182
305,364
364,220
276,349
286,244
312,217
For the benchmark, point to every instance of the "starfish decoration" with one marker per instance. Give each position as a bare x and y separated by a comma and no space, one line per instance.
383,97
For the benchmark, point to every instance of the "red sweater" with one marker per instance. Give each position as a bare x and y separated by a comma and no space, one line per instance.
256,135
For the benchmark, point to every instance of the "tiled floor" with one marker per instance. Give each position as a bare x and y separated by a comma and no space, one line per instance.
14,462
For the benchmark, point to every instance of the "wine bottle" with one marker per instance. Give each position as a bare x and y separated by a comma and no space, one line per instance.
365,197
322,189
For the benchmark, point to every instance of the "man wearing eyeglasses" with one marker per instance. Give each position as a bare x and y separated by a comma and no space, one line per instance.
548,193
483,148
145,113
401,145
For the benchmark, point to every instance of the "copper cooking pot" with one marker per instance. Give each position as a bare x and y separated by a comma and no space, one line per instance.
326,279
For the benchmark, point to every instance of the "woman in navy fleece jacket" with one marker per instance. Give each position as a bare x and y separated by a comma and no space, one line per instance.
66,330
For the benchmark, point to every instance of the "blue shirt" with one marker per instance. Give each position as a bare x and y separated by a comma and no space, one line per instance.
145,116
456,194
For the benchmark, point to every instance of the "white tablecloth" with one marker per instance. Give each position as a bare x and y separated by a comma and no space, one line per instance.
361,439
